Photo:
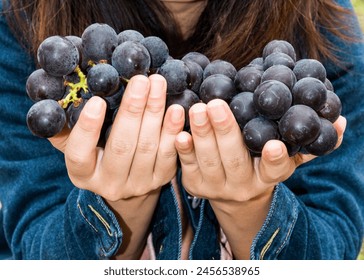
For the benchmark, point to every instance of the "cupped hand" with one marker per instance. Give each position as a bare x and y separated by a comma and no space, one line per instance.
139,155
216,165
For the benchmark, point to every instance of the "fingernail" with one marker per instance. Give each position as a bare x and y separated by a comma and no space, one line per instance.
199,116
177,114
276,153
139,86
218,113
94,106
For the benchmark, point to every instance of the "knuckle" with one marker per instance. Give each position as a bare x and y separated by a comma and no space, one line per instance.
119,147
146,146
209,162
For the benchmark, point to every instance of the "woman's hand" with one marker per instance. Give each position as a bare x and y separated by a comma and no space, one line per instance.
217,166
139,155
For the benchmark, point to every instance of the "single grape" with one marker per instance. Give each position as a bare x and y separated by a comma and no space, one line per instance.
243,108
46,118
259,131
280,73
41,85
197,57
329,85
99,41
257,62
311,92
130,59
332,107
129,35
300,125
272,99
196,75
113,101
186,99
219,66
177,75
73,112
278,58
248,78
310,68
279,46
326,140
217,86
103,80
58,56
158,50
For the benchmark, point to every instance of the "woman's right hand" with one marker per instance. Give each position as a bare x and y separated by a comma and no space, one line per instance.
139,156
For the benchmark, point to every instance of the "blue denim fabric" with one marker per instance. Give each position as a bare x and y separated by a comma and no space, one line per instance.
316,214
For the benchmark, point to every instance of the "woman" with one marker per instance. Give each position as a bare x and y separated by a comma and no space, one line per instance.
124,201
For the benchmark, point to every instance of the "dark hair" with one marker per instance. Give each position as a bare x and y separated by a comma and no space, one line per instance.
233,30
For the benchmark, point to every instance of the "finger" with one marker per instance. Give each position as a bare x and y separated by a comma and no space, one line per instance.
187,156
235,157
123,138
59,141
275,164
148,141
166,162
81,151
205,145
340,126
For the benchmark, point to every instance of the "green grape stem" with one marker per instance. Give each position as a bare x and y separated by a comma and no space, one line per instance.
73,96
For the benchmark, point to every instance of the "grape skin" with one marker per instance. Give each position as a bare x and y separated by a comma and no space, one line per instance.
300,125
130,59
99,41
217,86
103,80
40,85
58,56
46,118
311,92
176,74
272,99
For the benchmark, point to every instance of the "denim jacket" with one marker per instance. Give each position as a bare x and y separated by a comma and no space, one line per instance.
316,214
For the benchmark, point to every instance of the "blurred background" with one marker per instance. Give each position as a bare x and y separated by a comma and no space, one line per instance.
359,9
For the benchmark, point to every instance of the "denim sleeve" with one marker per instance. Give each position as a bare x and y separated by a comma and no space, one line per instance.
319,212
43,215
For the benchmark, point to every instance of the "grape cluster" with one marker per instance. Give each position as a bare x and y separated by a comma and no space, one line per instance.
273,97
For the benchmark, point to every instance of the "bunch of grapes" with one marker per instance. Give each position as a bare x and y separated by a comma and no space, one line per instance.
274,97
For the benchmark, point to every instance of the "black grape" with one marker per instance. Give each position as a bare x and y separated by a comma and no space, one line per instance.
103,80
332,107
220,66
310,68
186,99
300,125
243,108
177,75
280,73
99,41
278,58
73,112
279,46
58,56
257,132
129,35
40,85
272,99
326,140
158,50
130,59
217,86
248,78
196,75
46,118
197,57
328,84
113,101
311,92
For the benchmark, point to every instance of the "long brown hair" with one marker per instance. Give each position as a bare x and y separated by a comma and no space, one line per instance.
233,30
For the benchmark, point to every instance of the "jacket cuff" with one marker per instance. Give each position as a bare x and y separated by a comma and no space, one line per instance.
96,227
278,226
